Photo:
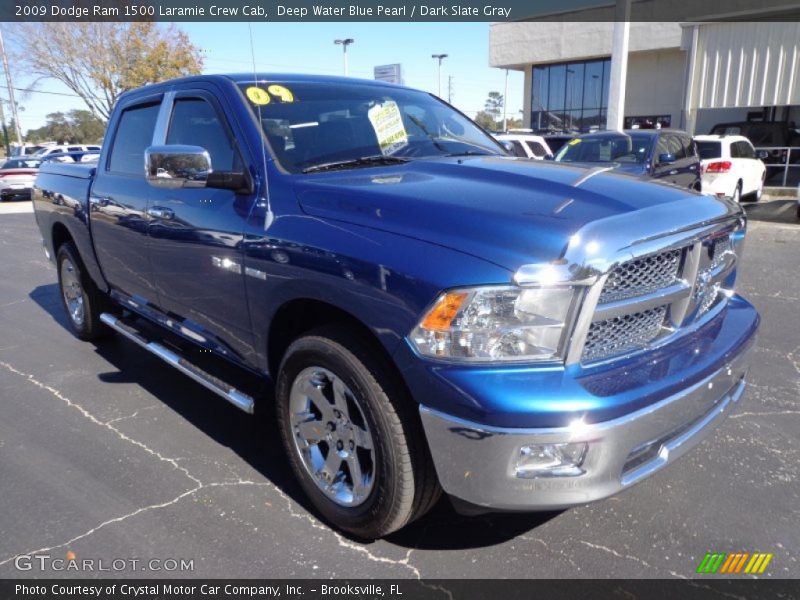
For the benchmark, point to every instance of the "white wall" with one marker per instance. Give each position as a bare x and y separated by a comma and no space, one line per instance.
655,84
746,64
512,45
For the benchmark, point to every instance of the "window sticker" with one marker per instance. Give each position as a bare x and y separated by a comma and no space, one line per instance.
257,96
387,122
281,92
575,142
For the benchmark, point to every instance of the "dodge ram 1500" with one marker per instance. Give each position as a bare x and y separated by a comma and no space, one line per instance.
421,311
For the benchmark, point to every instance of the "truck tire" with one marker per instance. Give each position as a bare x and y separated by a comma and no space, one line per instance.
81,299
353,438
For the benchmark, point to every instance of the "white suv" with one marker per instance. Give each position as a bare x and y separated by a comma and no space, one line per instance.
731,167
526,145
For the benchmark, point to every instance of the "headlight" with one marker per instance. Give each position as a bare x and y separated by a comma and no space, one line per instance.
505,323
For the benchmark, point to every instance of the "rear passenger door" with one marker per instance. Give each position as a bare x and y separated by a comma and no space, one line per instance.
196,233
118,201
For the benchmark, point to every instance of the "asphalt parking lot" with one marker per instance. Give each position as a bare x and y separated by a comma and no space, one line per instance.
107,453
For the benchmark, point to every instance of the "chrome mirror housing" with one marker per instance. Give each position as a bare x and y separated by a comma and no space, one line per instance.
177,166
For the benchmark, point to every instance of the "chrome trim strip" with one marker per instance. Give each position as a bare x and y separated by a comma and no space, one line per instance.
583,322
618,308
232,395
662,458
162,120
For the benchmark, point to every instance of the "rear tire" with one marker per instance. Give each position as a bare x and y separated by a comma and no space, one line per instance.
352,436
81,299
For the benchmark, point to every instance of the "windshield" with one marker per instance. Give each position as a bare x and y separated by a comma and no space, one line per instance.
314,124
709,149
607,148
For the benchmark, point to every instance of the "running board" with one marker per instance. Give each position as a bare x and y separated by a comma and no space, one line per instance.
216,385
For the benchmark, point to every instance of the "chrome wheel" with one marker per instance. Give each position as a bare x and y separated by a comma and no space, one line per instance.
332,436
73,293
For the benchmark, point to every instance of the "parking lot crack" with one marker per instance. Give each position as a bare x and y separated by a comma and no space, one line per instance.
345,543
107,424
615,553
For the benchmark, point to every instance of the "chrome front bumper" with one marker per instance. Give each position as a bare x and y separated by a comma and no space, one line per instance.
476,463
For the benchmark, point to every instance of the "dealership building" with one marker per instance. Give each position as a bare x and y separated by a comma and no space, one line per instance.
686,75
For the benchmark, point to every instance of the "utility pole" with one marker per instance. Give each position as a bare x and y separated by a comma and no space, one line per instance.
449,89
440,58
344,43
619,66
10,92
505,102
5,129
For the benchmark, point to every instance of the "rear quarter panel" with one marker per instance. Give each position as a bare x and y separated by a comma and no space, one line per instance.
61,199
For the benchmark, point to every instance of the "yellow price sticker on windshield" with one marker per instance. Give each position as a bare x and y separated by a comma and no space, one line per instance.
281,92
575,141
258,96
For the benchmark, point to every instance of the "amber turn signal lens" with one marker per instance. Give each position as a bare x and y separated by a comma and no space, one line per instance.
446,309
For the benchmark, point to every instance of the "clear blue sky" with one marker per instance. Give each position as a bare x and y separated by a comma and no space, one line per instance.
309,48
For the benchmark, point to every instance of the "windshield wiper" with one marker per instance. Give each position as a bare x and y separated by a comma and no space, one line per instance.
353,163
471,153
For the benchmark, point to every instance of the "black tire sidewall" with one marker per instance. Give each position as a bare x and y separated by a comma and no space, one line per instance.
86,329
365,519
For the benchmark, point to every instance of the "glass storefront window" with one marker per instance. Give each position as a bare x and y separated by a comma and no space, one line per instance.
572,96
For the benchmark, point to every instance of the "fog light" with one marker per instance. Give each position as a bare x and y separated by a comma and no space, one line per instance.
550,460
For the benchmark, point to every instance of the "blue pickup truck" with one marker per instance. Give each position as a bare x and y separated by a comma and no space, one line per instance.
422,312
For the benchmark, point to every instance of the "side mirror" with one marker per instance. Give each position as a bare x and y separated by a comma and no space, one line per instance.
666,158
175,166
549,157
762,154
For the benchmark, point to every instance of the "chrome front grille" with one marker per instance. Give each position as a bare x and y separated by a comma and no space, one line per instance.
653,296
622,334
641,276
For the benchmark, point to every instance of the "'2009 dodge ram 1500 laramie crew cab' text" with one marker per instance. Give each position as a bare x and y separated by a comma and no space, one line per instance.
426,312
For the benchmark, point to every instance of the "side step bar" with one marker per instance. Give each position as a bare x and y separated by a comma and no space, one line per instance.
230,393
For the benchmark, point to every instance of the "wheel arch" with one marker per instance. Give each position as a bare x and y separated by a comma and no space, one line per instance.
298,316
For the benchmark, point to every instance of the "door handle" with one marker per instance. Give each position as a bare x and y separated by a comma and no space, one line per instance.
673,172
159,212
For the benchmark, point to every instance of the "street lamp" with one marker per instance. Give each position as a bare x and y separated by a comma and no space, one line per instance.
344,43
440,57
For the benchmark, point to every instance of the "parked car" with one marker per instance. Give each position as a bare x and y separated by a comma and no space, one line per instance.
62,150
765,134
17,176
27,149
526,145
75,156
556,141
667,155
418,310
731,166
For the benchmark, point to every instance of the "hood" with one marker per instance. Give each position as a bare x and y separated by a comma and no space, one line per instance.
501,209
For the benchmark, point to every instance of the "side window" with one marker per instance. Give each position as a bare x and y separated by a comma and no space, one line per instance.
747,150
518,149
676,147
196,123
537,149
662,147
689,147
735,150
134,134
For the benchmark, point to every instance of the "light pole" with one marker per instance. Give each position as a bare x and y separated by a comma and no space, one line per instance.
440,57
344,43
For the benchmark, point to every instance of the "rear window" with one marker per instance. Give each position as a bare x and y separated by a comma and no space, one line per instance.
709,149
